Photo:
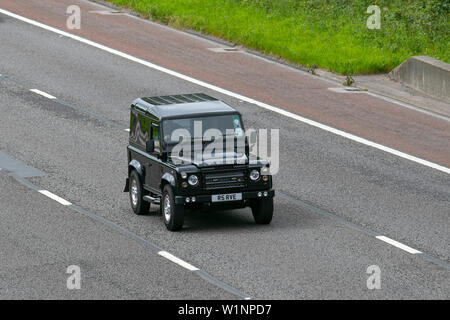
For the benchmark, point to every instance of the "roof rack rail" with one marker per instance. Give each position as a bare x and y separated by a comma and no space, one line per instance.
178,99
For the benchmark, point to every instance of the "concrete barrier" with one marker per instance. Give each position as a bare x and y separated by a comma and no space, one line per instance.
425,74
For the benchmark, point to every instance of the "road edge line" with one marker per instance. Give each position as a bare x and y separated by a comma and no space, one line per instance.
232,94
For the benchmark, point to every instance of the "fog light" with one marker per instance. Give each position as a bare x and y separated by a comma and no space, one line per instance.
193,199
259,194
265,193
265,178
188,200
184,184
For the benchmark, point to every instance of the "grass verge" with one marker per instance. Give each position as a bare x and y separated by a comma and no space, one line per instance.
330,34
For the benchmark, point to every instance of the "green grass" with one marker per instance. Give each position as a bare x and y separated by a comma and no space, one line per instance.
323,33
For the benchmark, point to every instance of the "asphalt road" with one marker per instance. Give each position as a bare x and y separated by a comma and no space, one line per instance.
334,197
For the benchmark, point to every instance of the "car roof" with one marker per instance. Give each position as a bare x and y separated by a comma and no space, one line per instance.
183,105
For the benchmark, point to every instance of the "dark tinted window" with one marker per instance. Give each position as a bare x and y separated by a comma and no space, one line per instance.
155,135
221,123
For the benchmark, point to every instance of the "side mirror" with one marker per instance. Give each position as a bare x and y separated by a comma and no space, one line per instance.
150,146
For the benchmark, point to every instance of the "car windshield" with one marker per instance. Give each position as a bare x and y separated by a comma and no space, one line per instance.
202,127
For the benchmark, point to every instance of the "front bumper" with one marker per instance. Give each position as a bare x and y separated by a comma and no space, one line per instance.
207,198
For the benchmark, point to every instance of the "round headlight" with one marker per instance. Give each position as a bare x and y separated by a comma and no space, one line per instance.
254,175
193,180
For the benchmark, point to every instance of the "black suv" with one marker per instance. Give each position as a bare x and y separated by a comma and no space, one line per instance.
188,179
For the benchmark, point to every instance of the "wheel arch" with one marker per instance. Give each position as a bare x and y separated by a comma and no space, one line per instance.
136,165
167,178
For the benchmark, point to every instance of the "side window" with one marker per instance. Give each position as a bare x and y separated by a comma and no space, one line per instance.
142,130
133,122
155,135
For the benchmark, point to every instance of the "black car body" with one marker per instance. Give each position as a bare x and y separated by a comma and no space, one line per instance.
155,176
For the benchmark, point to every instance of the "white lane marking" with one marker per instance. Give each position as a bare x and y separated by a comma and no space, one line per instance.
178,261
42,93
234,95
398,244
55,197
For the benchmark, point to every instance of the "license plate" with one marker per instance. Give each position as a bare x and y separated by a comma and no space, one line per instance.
227,197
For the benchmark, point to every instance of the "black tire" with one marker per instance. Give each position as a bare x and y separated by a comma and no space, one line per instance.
262,210
175,212
138,204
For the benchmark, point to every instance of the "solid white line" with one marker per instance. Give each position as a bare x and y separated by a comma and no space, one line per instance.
55,197
42,93
232,94
398,244
178,261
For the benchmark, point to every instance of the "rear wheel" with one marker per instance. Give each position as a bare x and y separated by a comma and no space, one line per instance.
262,210
173,214
138,204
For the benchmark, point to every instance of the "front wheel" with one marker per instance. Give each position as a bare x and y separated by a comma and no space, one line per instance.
262,210
173,214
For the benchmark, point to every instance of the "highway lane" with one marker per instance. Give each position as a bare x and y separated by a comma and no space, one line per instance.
301,255
40,239
304,254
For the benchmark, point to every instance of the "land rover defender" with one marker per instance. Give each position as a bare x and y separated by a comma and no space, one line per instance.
171,163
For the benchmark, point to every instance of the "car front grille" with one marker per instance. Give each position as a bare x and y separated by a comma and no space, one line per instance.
225,180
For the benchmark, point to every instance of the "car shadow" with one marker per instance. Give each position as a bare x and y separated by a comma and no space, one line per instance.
205,220
286,216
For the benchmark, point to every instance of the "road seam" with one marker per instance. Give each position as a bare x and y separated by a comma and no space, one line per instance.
232,94
66,104
368,232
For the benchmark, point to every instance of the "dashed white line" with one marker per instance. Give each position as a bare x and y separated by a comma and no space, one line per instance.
178,261
232,94
398,244
42,93
55,197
